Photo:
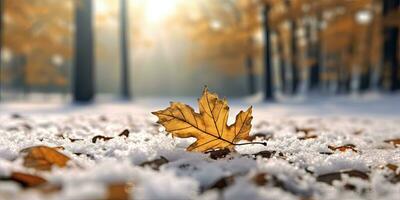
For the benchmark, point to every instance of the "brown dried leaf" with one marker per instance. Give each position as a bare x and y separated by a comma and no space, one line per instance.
305,130
155,164
394,142
209,126
220,153
74,139
343,148
265,154
43,158
330,177
260,179
223,182
100,137
392,167
307,137
124,133
119,191
26,180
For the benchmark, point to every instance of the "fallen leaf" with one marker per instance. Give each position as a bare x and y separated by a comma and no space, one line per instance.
394,142
49,188
59,148
100,137
330,177
119,191
26,180
155,164
305,130
307,137
74,140
260,179
209,126
220,153
223,182
124,133
395,176
265,154
343,148
358,132
16,116
43,158
392,167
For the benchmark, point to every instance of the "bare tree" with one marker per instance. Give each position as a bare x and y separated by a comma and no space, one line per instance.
1,36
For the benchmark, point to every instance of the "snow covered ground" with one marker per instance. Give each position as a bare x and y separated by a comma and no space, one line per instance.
331,148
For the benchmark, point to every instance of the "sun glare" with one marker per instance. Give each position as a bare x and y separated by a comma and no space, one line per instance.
157,10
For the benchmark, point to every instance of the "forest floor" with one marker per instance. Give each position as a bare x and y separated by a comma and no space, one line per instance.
332,148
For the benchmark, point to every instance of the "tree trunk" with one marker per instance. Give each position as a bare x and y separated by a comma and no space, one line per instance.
269,95
293,47
1,38
125,76
391,45
251,76
84,59
316,53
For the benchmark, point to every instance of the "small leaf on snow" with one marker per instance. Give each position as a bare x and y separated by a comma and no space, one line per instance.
305,130
392,167
223,182
74,139
307,137
59,148
100,137
265,154
260,179
43,158
119,191
124,133
343,148
220,153
395,142
26,180
330,177
155,164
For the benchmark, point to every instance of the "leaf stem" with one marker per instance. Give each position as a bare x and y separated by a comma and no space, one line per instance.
247,143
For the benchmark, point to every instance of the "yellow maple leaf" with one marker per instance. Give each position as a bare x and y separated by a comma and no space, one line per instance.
209,126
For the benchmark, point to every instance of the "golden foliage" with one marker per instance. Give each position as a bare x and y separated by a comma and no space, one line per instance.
37,30
209,126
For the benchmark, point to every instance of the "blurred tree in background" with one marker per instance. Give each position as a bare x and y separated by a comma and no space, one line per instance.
327,45
296,46
37,37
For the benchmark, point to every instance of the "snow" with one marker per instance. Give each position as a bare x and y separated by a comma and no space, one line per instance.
365,123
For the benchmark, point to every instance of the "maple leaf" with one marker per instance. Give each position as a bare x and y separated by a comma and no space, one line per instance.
209,126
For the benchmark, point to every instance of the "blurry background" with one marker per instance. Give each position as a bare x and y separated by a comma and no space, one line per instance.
78,50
